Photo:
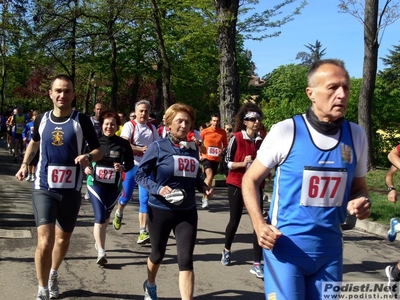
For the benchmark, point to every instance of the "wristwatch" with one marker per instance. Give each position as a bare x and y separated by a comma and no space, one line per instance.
89,157
391,188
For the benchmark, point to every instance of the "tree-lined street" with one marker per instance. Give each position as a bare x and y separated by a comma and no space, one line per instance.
365,255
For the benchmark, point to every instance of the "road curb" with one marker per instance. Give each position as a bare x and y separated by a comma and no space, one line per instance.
368,226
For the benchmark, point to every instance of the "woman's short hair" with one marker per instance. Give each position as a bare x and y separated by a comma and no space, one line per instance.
110,114
180,107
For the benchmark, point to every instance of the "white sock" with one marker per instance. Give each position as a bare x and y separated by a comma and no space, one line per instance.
42,288
150,284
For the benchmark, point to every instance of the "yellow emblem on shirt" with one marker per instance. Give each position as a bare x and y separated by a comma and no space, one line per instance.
58,137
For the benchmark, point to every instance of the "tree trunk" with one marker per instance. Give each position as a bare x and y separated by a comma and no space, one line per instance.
114,75
3,73
166,68
227,11
3,55
73,50
135,92
159,89
371,47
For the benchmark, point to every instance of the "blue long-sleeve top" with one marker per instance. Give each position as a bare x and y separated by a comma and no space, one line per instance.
170,165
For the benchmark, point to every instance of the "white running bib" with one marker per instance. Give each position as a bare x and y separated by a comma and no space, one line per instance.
323,187
185,166
61,177
105,174
213,151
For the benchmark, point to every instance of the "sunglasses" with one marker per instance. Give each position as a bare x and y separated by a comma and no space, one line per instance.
132,116
253,119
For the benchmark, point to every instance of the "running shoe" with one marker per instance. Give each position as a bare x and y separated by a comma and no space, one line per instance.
258,271
32,178
54,291
102,259
392,233
392,283
226,258
43,295
143,238
87,197
150,292
117,222
204,203
28,178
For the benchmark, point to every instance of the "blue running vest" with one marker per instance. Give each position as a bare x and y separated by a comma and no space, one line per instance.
311,191
60,144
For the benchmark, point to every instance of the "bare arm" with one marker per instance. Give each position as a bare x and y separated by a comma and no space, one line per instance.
136,149
30,153
392,195
394,157
267,234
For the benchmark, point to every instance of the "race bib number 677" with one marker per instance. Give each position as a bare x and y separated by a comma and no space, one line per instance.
323,187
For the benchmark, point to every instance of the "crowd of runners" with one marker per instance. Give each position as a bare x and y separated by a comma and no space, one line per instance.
318,159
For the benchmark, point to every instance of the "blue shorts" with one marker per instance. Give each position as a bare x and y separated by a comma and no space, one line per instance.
127,189
103,202
299,278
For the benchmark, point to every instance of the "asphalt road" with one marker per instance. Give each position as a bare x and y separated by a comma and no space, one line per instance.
365,255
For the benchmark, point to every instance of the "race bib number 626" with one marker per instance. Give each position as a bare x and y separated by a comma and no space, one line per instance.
185,166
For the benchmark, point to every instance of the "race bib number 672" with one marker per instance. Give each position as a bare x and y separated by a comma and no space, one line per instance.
61,177
323,187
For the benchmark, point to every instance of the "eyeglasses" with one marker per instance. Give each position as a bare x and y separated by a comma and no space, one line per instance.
132,116
253,119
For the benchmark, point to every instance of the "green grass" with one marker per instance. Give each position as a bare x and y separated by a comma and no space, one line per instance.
219,176
382,209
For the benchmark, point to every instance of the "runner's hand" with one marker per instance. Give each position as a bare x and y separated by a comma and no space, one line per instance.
23,170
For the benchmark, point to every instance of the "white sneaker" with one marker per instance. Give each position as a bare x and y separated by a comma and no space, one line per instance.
32,178
392,283
28,178
54,291
43,295
204,203
87,197
102,259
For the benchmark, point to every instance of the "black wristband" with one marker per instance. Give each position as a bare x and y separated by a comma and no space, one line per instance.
89,156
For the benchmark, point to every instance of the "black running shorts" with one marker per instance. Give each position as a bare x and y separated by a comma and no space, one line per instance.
60,208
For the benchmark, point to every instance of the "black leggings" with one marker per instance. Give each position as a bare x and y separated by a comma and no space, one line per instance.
236,205
184,224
